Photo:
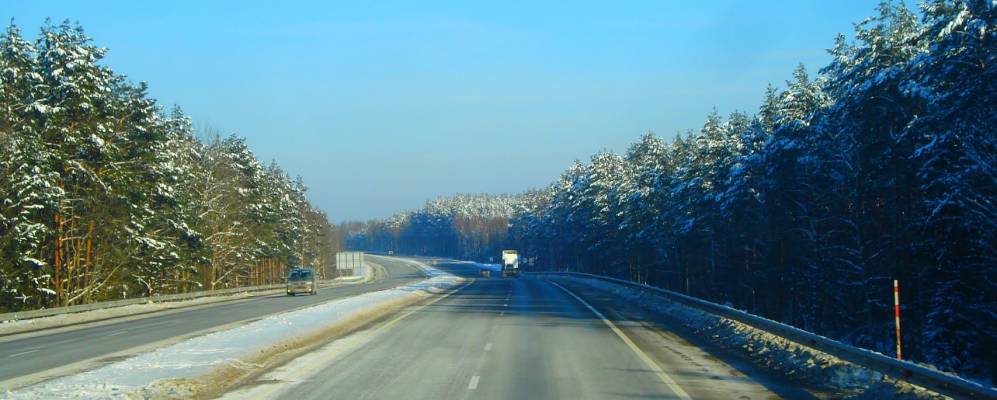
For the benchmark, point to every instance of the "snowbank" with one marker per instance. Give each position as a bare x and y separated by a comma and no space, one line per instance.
815,368
197,356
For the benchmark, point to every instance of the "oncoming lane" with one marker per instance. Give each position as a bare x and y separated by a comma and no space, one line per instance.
58,352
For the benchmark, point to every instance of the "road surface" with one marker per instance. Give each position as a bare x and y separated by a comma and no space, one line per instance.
523,338
40,352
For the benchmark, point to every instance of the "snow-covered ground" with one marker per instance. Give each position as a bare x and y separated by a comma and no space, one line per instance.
194,357
816,368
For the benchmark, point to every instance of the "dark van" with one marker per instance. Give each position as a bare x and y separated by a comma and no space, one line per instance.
301,280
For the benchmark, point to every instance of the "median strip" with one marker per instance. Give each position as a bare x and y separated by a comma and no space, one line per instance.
304,364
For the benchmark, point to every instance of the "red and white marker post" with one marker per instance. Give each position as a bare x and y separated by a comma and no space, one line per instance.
896,313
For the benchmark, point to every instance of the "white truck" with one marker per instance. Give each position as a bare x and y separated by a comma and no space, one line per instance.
510,263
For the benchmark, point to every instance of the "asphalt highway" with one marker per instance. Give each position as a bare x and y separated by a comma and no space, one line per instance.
519,338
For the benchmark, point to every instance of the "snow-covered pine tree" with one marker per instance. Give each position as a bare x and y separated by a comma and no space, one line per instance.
955,163
74,110
869,121
30,195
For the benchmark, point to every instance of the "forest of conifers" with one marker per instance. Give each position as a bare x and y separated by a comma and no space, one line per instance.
883,166
105,195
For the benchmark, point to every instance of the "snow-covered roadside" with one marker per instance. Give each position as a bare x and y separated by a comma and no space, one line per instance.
793,360
197,356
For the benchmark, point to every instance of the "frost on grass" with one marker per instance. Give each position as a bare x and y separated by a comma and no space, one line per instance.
799,363
154,372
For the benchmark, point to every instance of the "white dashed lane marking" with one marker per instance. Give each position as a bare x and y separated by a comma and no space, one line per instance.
23,353
474,382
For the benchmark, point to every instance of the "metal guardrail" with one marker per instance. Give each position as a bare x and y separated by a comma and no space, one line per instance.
920,375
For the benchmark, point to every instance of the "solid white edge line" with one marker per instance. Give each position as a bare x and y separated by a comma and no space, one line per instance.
664,377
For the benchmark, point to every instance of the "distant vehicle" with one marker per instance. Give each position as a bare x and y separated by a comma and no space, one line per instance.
391,252
510,263
302,280
485,273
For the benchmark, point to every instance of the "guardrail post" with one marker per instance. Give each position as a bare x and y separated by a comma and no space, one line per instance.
896,313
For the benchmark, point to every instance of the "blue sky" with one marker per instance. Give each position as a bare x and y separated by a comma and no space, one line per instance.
382,106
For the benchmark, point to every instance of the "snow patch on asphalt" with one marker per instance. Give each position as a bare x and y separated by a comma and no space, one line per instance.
816,368
196,356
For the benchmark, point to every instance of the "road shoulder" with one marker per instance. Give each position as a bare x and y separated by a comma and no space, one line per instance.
701,368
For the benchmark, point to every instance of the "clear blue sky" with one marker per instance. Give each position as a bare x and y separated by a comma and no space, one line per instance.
381,106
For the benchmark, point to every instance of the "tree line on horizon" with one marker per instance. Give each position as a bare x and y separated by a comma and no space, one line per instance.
883,166
105,195
465,226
